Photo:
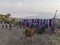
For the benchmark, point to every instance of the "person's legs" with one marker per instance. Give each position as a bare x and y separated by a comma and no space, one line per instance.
52,30
2,26
10,27
6,25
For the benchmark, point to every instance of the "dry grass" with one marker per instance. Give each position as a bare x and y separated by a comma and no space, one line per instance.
57,31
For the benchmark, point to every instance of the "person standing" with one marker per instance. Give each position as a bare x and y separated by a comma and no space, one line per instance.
2,24
10,26
20,24
6,25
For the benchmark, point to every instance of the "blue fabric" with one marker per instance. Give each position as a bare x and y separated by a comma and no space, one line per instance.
32,20
50,22
46,23
10,26
43,21
32,26
40,30
40,21
52,29
27,24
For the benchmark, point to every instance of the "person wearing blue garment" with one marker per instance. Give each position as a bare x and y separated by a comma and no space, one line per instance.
27,24
10,26
37,28
52,29
50,22
46,23
29,21
43,26
32,26
20,24
52,26
38,22
40,27
6,25
23,21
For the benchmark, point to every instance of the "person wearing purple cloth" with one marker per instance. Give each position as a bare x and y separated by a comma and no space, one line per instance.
52,26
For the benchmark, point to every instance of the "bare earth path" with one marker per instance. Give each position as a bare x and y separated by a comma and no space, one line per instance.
12,37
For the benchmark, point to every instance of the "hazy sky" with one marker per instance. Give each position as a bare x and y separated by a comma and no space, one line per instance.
23,8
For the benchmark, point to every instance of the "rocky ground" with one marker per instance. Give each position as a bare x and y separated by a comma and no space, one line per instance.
13,37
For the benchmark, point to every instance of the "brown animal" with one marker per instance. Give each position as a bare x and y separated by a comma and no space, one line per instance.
29,33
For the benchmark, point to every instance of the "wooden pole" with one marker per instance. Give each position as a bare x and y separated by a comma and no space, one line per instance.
55,14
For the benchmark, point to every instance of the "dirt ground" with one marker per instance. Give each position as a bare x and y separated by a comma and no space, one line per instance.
12,37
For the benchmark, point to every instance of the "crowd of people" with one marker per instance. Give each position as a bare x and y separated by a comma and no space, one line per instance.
7,25
40,25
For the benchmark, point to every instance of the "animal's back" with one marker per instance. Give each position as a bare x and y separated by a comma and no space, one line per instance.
30,32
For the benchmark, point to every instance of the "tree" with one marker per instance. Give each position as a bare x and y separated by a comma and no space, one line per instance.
8,15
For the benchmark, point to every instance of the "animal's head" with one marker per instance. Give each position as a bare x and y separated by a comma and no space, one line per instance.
26,30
